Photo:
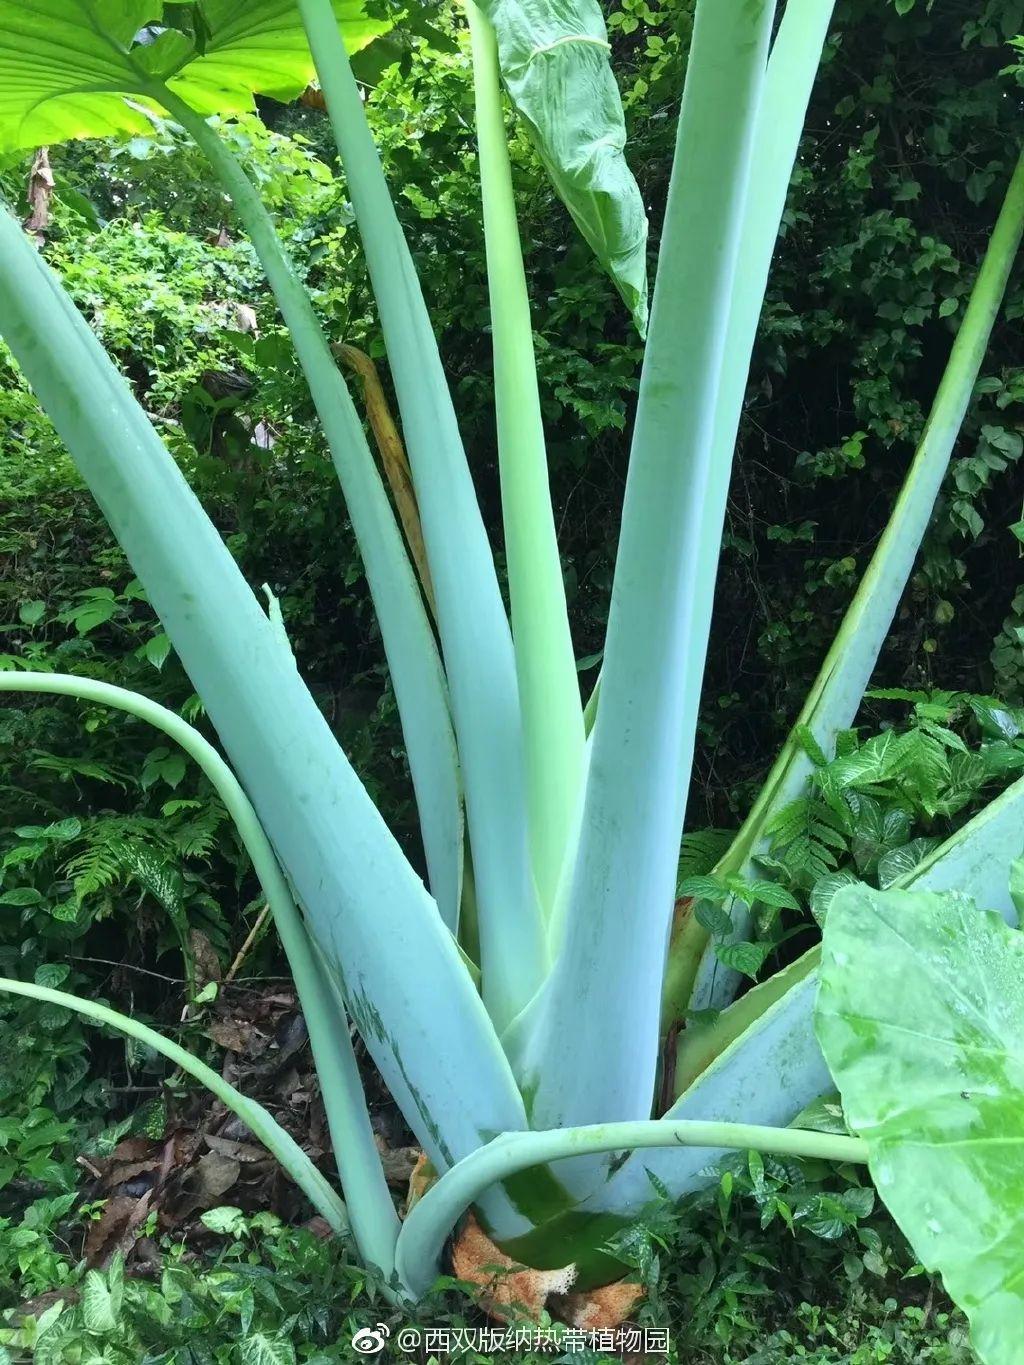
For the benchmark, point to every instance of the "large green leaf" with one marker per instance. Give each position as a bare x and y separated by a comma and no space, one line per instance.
555,61
920,1016
67,65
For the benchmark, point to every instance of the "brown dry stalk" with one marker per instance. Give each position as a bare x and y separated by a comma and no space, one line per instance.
393,458
39,194
250,940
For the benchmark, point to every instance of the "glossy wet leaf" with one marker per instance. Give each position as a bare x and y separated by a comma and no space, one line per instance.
67,65
555,61
920,1016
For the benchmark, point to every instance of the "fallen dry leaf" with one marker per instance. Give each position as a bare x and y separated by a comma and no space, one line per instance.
245,1152
231,1034
108,1232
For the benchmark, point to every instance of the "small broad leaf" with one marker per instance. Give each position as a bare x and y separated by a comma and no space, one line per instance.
86,616
920,1015
61,830
165,765
21,895
996,719
822,1115
555,60
98,1309
899,862
825,889
747,958
226,1220
52,974
259,1349
157,649
31,613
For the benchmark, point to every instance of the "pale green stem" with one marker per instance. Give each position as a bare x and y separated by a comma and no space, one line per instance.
549,690
361,897
374,1221
430,1221
834,698
593,1050
260,1123
408,636
471,616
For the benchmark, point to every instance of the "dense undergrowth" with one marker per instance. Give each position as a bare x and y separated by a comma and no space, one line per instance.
119,875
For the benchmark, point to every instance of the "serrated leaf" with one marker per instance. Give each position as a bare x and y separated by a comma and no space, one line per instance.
714,919
805,738
747,958
701,849
771,893
703,888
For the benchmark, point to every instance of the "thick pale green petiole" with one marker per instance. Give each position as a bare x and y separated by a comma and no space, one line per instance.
548,686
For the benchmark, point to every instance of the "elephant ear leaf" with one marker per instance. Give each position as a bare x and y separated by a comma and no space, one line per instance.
555,61
920,1015
87,68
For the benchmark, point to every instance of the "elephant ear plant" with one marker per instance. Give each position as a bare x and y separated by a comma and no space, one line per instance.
521,1041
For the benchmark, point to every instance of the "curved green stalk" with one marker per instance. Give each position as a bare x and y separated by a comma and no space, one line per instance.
549,690
260,1123
413,660
432,1218
593,1053
374,1221
694,978
475,635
